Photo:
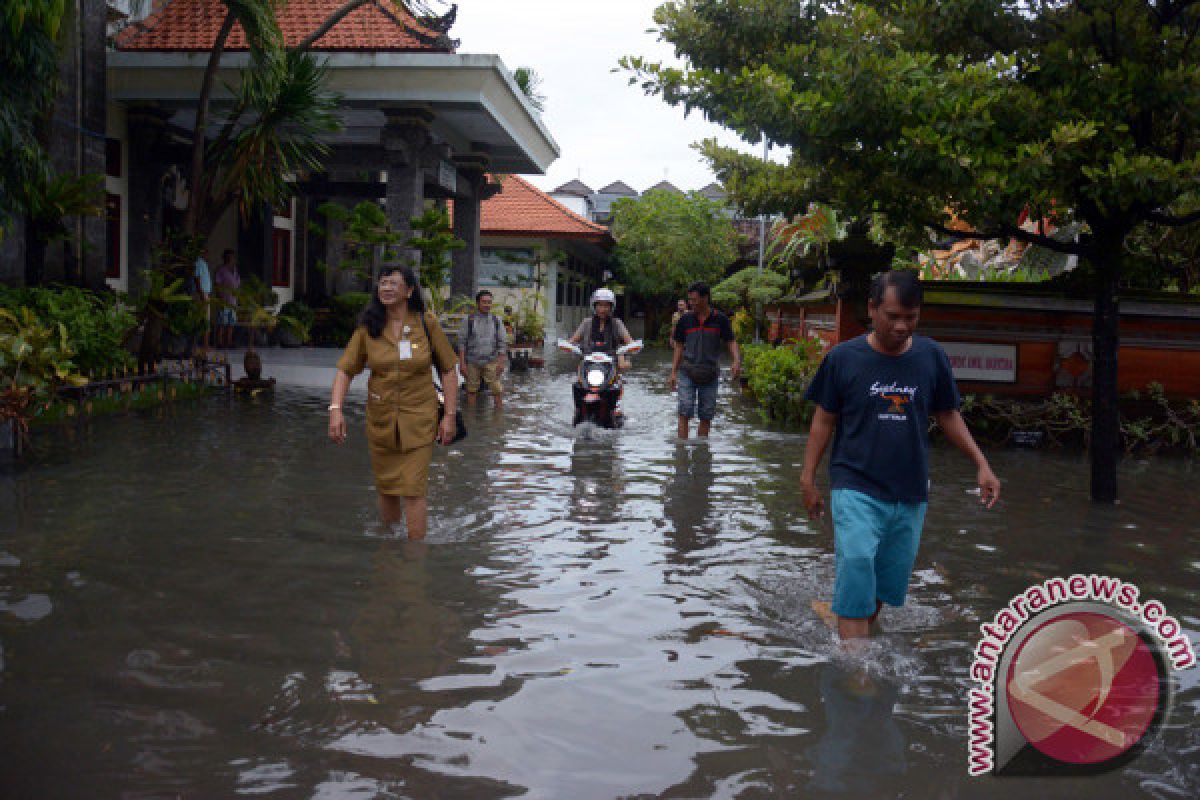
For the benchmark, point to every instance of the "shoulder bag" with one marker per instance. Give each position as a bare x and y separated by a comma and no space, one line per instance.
460,431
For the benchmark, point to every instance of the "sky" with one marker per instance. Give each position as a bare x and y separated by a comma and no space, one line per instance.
606,130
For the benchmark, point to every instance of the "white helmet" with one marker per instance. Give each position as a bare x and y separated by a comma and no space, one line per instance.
604,296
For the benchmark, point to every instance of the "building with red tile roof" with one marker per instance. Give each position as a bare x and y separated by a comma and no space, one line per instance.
419,122
529,240
192,26
521,209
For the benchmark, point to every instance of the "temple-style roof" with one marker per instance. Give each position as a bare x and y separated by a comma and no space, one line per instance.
665,186
619,187
714,191
192,25
575,188
520,208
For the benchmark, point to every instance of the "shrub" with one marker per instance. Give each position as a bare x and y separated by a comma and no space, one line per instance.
299,311
743,326
35,359
1150,421
778,376
96,324
346,308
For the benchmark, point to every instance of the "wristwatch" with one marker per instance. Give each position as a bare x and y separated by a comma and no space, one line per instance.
334,407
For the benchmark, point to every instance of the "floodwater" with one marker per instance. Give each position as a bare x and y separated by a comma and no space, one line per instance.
198,603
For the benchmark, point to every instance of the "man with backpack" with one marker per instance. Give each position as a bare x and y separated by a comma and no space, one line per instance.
698,338
483,350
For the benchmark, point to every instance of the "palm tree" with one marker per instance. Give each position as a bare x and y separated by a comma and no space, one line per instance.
293,85
280,113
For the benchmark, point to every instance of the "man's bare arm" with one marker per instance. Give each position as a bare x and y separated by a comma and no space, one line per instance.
819,435
676,359
955,428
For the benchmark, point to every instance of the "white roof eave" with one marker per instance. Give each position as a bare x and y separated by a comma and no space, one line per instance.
475,81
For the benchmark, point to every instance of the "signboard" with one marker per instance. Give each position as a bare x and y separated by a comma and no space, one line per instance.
993,363
447,176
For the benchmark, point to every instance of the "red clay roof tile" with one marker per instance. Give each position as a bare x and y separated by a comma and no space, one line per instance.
520,208
192,25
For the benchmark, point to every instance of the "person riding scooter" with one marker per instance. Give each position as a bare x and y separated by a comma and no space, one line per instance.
603,337
603,332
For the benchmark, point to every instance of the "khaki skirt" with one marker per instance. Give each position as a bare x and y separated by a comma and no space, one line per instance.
401,473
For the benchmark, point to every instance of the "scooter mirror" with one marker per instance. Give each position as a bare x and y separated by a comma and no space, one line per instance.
632,347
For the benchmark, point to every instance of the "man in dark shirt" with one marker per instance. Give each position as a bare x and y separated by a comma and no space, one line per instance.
698,337
874,395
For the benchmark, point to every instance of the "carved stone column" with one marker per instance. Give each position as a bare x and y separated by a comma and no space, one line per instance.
472,179
405,140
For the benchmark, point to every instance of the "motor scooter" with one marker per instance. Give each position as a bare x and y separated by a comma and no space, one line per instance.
597,387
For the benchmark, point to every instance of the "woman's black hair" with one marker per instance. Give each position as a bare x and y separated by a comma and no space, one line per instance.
374,316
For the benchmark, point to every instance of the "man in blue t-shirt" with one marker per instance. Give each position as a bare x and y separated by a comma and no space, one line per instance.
874,396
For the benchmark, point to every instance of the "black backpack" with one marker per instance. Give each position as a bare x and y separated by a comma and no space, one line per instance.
471,329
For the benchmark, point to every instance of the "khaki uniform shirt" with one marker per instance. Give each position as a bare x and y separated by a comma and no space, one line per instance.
402,404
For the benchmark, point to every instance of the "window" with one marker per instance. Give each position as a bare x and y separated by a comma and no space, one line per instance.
112,218
281,258
506,267
112,157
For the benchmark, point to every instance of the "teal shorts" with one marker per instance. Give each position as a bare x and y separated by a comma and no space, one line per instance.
875,544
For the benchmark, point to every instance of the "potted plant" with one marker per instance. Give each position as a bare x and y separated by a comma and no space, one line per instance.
256,310
287,335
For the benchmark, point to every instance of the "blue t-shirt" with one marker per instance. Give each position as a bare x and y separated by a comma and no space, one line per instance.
883,403
203,278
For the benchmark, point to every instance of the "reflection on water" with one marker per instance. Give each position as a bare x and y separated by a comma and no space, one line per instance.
199,602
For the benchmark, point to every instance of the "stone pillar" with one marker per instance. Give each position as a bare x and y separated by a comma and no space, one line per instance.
93,110
147,164
464,279
405,138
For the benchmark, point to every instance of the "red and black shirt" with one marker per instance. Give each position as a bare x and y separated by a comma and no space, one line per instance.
702,341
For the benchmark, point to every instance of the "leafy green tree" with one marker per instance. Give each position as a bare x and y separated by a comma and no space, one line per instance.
29,64
1079,112
748,288
434,240
48,203
666,241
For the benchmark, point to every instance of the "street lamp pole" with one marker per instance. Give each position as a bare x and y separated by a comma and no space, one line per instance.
762,247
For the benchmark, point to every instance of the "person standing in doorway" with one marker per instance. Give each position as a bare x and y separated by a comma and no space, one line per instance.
228,281
483,350
204,287
695,368
874,395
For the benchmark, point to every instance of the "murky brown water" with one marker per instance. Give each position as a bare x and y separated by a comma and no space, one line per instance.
198,603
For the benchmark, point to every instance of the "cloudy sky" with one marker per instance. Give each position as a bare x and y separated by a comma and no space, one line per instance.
606,130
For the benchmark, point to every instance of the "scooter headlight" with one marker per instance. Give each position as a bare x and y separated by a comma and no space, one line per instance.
595,378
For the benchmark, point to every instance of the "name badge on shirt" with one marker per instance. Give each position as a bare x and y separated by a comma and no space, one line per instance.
405,348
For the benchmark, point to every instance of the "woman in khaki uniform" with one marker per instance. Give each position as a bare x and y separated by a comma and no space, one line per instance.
402,404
